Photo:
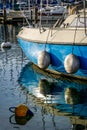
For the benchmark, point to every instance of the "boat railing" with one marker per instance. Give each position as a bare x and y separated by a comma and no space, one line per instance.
58,22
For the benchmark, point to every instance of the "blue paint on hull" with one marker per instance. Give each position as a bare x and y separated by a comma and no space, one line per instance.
57,53
55,91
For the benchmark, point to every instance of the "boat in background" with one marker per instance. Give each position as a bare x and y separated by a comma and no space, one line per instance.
52,13
61,48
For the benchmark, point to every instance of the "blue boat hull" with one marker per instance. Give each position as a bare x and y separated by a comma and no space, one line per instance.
57,52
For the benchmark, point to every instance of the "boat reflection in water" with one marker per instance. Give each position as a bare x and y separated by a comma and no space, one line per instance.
58,96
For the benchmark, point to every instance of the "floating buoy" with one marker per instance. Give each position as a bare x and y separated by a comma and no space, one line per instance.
21,110
6,45
20,118
22,114
43,60
71,63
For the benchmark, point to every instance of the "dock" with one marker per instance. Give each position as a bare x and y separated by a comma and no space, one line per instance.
12,16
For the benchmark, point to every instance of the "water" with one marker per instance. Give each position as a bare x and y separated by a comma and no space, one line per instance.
56,104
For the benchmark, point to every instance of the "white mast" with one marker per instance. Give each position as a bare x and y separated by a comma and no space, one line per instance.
40,12
47,3
84,3
29,5
13,4
59,2
36,1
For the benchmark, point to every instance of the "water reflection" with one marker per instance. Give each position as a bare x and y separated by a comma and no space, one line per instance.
10,59
72,96
45,96
17,120
58,97
11,62
8,33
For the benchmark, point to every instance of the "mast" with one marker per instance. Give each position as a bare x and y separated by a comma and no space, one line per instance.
40,13
13,4
29,5
84,4
47,3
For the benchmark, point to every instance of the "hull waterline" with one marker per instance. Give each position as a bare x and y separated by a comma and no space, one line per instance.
57,53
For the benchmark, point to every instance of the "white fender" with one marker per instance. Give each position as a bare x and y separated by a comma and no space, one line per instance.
71,63
5,45
43,60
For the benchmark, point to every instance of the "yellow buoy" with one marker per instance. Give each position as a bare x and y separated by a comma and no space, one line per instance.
71,63
21,110
22,114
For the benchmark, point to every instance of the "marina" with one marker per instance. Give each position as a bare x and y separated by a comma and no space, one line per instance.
36,97
30,11
14,16
20,83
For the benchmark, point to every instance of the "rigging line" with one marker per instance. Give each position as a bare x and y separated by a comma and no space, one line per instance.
75,35
47,37
40,14
50,29
24,16
84,4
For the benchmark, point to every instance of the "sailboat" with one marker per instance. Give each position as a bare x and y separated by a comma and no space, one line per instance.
59,49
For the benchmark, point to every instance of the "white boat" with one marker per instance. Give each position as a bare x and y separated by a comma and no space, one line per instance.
62,49
52,12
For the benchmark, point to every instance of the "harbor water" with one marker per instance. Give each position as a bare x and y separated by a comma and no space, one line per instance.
56,104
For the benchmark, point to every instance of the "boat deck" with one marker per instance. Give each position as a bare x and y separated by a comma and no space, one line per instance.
54,36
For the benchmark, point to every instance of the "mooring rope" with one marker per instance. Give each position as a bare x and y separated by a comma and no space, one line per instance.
75,35
47,38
